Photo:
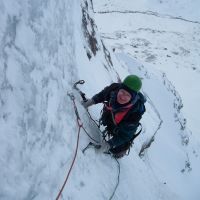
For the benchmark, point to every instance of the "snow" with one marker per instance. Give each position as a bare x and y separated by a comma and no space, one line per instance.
149,43
164,41
43,51
165,7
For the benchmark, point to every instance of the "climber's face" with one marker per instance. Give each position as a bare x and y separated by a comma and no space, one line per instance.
123,96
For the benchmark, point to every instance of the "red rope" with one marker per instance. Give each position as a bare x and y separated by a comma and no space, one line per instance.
80,125
77,143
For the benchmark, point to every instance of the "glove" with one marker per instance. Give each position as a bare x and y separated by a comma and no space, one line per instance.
87,103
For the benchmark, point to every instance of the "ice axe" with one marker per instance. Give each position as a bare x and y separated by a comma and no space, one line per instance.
80,92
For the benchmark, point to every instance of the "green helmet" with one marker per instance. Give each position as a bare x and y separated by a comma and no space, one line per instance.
133,82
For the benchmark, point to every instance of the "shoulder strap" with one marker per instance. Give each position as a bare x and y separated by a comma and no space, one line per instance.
138,133
142,97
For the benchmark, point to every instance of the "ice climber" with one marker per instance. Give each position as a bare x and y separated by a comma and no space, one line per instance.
122,111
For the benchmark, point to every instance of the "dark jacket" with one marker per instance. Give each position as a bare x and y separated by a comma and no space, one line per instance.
126,129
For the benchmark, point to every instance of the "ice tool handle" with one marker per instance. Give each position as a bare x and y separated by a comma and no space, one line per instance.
80,92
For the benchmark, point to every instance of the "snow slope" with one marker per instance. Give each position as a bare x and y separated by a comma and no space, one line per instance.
166,43
157,35
45,46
